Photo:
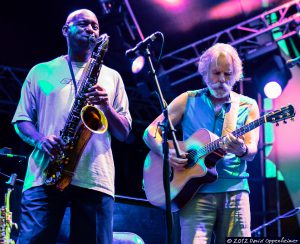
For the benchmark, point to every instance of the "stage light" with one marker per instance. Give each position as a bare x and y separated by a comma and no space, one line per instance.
173,2
271,75
138,64
107,6
272,89
170,3
110,9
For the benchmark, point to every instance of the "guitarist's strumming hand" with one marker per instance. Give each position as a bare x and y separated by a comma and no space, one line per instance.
175,162
232,144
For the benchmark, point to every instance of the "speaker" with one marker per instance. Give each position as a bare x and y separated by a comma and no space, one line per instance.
133,215
139,216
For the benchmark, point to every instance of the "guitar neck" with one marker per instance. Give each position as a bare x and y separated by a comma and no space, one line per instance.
251,126
212,146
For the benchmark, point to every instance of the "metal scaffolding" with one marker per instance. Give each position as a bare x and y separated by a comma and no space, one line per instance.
181,65
11,80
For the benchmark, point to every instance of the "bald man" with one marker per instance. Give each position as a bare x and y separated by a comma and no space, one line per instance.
46,99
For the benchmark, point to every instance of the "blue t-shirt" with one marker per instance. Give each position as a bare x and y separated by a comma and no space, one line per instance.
199,113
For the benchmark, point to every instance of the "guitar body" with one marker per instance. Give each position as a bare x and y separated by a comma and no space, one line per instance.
183,184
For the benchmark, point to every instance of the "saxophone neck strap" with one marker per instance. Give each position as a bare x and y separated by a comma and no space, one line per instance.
72,75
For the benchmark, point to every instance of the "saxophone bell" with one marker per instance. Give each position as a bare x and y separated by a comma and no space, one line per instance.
94,119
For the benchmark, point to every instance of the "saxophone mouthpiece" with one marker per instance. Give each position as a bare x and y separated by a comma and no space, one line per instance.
92,39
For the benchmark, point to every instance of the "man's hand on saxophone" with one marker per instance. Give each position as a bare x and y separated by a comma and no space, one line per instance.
97,95
52,145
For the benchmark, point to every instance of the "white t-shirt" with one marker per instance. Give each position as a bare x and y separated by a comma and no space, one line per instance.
46,100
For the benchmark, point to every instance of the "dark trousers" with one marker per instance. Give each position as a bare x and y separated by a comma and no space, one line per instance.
43,208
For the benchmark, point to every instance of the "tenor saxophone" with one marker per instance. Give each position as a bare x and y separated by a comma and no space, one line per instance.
6,222
82,121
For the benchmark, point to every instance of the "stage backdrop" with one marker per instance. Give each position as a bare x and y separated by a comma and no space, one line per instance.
286,148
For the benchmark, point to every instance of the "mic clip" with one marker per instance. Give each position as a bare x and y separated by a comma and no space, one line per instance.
143,44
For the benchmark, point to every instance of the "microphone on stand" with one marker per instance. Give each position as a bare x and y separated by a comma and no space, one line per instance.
143,44
12,180
9,155
292,62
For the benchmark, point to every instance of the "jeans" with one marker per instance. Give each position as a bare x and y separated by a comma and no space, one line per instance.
224,214
42,211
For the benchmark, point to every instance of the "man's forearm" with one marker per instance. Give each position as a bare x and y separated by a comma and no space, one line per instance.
118,124
28,132
153,139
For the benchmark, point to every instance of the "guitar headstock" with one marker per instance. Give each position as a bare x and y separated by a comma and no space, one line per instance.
287,112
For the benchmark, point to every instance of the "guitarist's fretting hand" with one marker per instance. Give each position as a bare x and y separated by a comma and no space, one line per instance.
232,144
175,162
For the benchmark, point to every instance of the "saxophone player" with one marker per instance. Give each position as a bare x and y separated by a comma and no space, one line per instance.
46,99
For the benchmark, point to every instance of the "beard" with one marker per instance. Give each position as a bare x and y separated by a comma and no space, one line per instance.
219,90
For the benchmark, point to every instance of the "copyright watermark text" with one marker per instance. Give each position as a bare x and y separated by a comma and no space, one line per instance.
285,240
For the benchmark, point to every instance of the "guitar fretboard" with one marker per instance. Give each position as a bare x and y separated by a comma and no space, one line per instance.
214,145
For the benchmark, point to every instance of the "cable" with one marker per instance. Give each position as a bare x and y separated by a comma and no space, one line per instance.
283,216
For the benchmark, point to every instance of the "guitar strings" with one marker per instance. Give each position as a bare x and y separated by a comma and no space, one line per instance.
206,149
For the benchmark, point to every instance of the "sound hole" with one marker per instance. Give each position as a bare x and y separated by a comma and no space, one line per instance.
192,154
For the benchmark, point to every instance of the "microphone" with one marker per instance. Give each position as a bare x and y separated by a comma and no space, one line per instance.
9,155
143,44
12,180
292,62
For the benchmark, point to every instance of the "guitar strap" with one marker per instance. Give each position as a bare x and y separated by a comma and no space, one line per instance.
230,119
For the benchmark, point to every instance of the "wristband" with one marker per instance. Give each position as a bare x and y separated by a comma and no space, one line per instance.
244,154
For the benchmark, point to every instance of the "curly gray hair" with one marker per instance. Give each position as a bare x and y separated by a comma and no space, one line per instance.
213,52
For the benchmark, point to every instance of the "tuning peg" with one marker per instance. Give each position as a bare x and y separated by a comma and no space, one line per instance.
293,119
285,122
277,124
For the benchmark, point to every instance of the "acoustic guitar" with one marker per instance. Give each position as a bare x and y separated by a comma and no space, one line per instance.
203,149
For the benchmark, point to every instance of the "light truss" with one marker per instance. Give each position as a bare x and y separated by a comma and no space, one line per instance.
142,109
11,80
181,65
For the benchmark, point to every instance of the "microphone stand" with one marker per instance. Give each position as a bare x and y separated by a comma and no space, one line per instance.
166,127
